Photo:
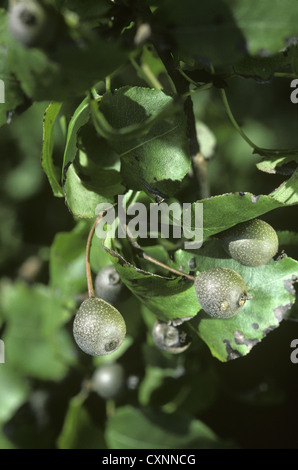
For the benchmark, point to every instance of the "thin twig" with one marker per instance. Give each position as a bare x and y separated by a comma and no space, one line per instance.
168,268
87,260
154,260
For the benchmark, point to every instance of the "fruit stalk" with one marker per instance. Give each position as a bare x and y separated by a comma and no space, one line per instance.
91,292
165,266
154,260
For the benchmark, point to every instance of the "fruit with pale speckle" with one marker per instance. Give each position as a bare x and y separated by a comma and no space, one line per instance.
98,328
252,243
221,292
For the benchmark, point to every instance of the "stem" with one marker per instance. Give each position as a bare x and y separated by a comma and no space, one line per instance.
199,88
88,267
233,120
110,408
285,75
165,266
259,150
145,73
108,83
154,260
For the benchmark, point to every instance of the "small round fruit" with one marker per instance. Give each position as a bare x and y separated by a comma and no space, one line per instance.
108,285
98,327
108,381
252,243
221,292
169,338
32,24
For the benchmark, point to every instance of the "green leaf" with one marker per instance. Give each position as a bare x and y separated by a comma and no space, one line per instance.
97,148
261,68
47,163
271,287
57,76
144,127
203,31
171,384
79,119
224,211
78,430
13,95
67,261
13,391
98,255
150,429
87,10
221,31
5,443
284,165
268,26
167,297
287,193
35,342
288,242
88,184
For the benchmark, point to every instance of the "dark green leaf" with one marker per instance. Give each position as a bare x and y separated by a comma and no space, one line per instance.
150,429
57,76
13,392
224,211
287,193
172,384
78,120
145,129
284,165
67,261
87,185
268,26
13,95
78,429
261,68
204,31
48,165
35,341
221,31
88,10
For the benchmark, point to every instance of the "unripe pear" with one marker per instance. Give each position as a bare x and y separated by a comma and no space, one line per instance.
99,328
221,292
252,243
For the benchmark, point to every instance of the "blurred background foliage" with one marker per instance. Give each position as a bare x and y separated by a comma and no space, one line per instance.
47,396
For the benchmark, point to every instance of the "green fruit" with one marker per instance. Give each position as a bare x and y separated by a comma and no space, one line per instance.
221,292
98,327
108,285
108,381
252,243
32,24
169,338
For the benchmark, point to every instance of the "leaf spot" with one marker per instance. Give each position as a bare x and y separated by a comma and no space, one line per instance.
254,199
231,353
281,310
240,339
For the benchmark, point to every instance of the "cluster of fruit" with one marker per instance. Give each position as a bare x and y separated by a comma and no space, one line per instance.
99,328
